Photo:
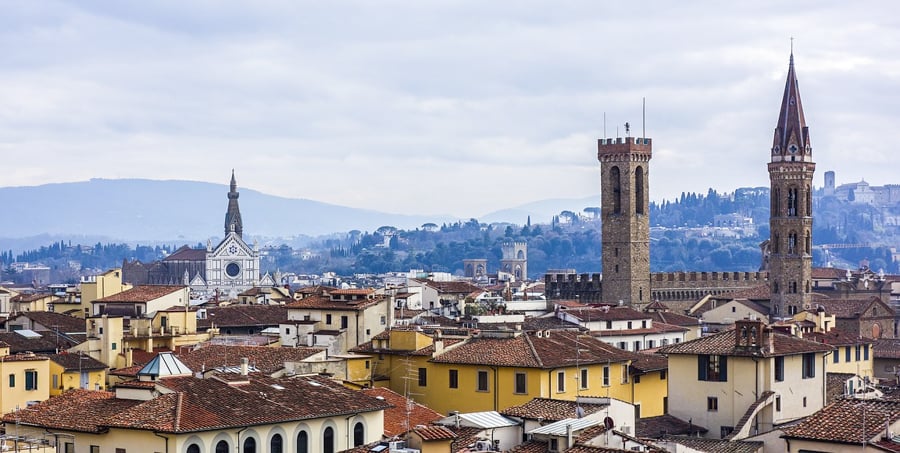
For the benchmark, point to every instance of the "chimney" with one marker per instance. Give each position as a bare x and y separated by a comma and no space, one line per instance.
245,366
438,347
770,336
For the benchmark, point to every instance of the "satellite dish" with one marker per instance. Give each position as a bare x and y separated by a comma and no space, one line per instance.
608,423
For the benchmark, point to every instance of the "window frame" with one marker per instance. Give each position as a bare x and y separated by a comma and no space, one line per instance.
520,383
481,381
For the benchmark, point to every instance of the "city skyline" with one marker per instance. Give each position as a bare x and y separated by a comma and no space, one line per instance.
446,109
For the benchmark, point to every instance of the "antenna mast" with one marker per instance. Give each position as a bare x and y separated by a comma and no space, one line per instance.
644,117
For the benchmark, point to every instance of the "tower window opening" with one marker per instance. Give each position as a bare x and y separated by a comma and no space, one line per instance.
639,190
792,202
792,243
615,181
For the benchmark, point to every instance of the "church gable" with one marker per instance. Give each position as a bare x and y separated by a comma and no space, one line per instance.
232,246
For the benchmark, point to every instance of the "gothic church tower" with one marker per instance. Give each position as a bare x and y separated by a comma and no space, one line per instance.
790,221
625,217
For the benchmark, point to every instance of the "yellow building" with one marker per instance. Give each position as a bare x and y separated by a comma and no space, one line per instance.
76,371
168,409
496,370
31,302
99,286
24,379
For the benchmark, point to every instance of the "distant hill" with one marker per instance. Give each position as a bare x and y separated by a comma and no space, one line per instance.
149,210
540,211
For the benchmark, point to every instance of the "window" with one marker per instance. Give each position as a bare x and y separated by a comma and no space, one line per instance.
639,190
327,319
583,379
222,447
712,368
846,353
12,380
778,404
643,324
662,375
779,368
724,431
120,450
804,401
712,403
629,324
809,367
624,374
836,356
193,448
344,322
454,379
276,445
95,449
606,376
637,411
858,353
328,440
637,345
623,345
249,445
651,344
31,380
359,436
521,388
665,405
302,442
423,377
69,447
865,352
383,320
560,381
367,364
616,184
637,378
609,324
482,385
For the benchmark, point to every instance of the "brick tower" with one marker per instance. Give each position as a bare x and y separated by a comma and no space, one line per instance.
625,217
790,222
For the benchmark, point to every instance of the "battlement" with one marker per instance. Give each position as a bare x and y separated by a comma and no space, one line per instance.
627,145
735,278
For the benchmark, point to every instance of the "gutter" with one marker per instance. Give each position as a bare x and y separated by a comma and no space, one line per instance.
164,437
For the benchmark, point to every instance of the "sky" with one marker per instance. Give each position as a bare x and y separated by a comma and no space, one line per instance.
439,107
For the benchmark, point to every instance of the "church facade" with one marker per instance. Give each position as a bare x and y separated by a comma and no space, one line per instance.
223,270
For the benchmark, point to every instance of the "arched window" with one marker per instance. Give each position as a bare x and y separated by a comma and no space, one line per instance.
276,445
639,190
302,442
193,448
792,243
359,435
222,447
792,202
249,445
807,245
616,183
328,440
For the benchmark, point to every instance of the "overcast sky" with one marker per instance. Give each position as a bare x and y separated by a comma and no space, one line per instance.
439,107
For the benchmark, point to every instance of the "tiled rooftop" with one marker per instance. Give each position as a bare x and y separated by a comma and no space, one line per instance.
530,350
723,343
142,293
73,362
606,314
886,348
53,321
267,360
663,425
240,315
318,302
841,421
551,410
716,445
395,417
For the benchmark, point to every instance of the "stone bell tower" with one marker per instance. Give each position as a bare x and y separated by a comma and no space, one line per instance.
625,217
790,221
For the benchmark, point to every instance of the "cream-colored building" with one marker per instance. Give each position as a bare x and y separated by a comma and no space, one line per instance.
337,319
746,380
99,286
168,409
142,300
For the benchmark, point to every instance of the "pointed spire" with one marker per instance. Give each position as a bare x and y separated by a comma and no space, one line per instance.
233,223
791,132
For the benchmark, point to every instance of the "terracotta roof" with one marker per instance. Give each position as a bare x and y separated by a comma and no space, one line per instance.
51,321
675,319
654,328
31,297
531,446
551,410
723,343
716,445
828,272
73,362
24,357
142,293
664,425
324,303
451,287
185,253
604,314
267,360
528,350
836,337
47,342
645,363
841,421
395,417
241,315
200,405
848,308
886,348
758,292
534,323
352,292
656,305
431,433
131,371
568,303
